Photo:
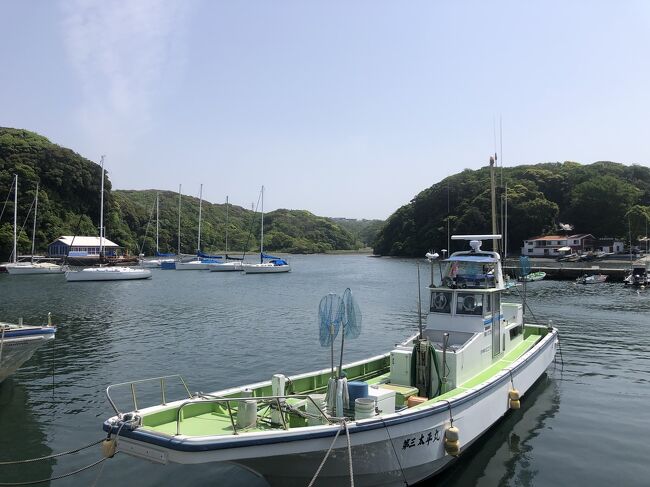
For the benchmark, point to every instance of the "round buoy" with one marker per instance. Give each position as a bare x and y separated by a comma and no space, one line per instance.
513,396
452,443
108,447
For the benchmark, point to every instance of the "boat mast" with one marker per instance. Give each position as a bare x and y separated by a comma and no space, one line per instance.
15,254
493,197
34,229
101,215
157,222
226,226
262,232
179,220
198,248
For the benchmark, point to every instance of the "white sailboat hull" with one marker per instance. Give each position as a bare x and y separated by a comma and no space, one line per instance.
226,267
265,268
107,274
195,265
38,268
393,449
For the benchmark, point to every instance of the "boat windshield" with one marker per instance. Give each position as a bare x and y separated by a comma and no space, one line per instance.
469,274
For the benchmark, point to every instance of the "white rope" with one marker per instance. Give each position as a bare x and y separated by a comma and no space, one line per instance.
320,467
347,433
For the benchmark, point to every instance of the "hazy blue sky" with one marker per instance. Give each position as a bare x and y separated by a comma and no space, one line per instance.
344,108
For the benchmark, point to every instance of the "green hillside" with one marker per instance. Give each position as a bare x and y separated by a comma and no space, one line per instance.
69,205
605,199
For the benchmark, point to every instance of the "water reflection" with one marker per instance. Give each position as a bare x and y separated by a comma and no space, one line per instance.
503,455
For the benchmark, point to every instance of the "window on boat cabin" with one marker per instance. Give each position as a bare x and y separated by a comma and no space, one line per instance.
469,304
464,274
441,302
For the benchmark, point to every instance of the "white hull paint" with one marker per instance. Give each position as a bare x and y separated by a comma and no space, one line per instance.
226,267
22,268
266,268
18,350
386,450
194,265
107,274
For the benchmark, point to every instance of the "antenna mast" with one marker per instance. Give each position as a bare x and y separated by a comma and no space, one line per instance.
493,198
101,215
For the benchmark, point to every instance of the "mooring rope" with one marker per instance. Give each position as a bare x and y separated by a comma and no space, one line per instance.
395,451
55,455
57,477
344,426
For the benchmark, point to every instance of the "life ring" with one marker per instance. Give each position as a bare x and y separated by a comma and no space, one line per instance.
440,301
469,303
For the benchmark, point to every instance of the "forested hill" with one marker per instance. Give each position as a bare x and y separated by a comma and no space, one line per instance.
599,198
69,203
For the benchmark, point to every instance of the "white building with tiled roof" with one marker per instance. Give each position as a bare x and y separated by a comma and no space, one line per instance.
557,245
80,246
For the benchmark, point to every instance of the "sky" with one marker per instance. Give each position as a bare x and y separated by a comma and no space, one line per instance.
343,108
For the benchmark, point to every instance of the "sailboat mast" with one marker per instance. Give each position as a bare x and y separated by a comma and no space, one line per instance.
262,232
179,219
101,214
15,254
226,226
157,223
34,229
493,197
198,248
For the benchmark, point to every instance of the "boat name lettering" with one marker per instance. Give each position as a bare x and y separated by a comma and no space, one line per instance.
486,349
431,437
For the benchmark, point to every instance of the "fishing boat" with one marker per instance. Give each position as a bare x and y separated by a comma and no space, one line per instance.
533,276
273,264
410,411
105,273
32,267
18,343
592,279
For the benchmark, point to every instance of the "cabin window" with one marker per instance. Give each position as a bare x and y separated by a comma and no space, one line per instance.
440,302
469,304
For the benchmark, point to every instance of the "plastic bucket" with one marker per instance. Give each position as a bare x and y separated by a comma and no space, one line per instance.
364,407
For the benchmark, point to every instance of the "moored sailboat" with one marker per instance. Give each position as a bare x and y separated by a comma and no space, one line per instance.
103,273
31,267
273,264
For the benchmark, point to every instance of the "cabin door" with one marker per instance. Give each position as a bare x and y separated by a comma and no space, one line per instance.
496,324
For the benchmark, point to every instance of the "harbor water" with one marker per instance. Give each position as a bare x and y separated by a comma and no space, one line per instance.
586,422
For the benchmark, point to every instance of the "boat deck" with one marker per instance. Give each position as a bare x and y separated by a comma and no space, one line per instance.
210,418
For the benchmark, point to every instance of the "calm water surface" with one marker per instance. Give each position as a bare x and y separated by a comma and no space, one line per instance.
584,423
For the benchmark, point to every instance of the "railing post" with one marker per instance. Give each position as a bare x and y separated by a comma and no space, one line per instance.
135,401
162,390
284,423
232,420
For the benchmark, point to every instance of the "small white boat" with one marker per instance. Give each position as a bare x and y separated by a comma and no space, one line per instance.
592,279
34,268
533,276
473,362
18,342
107,274
271,267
